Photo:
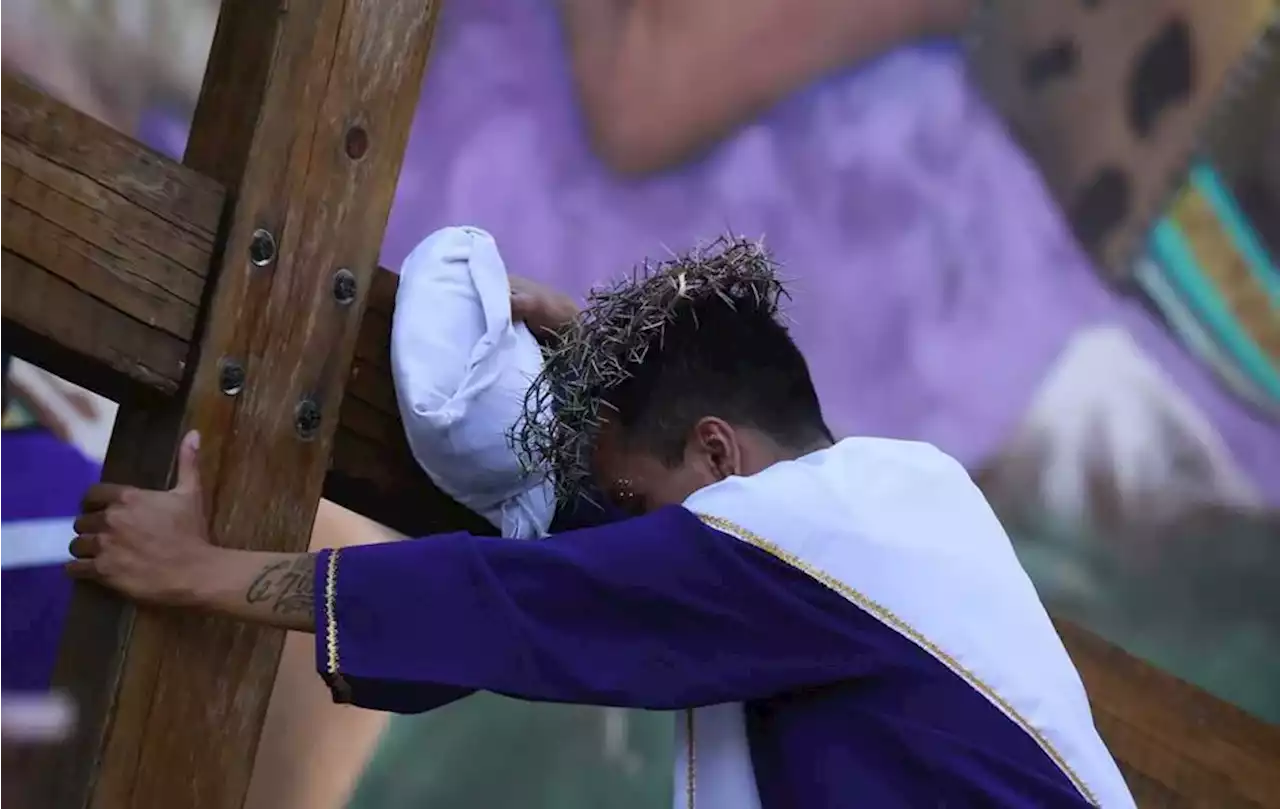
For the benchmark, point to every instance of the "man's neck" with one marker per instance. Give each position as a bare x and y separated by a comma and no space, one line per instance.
774,452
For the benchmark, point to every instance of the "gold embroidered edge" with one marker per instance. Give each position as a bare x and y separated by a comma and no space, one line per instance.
887,617
337,683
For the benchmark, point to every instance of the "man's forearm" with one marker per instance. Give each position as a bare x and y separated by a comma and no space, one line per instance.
273,589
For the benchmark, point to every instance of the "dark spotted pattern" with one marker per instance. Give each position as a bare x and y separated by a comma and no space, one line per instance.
1101,206
1057,61
1163,77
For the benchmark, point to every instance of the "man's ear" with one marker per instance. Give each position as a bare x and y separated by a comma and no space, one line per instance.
717,443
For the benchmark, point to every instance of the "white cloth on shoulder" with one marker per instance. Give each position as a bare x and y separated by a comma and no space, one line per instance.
900,530
461,369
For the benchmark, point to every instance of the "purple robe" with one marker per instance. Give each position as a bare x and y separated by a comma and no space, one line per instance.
664,612
44,477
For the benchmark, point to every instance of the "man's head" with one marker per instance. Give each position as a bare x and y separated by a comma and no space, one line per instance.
672,381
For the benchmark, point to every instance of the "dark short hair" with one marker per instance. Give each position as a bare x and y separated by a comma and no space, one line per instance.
697,335
727,358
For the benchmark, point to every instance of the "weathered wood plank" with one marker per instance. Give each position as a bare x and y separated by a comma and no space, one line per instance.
58,327
96,154
366,480
372,470
119,237
304,116
1171,737
96,637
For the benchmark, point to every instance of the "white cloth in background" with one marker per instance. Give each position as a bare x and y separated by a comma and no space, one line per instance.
461,369
36,542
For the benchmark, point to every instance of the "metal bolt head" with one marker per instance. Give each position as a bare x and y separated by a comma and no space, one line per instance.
230,376
262,248
344,286
306,419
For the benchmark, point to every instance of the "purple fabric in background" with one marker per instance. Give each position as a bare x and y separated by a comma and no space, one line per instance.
44,477
934,281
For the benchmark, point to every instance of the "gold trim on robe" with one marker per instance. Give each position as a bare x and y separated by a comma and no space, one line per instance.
888,618
337,684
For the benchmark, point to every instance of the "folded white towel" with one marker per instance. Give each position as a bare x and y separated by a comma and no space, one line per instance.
461,369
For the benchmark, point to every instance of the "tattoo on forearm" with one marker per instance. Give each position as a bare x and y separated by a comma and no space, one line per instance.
289,587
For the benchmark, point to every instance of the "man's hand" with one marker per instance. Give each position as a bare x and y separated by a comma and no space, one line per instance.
149,545
543,309
154,547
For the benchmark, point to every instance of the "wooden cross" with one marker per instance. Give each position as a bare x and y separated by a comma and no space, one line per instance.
238,293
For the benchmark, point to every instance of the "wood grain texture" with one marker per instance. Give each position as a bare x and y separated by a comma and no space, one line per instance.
107,244
96,638
82,339
1178,745
285,83
372,471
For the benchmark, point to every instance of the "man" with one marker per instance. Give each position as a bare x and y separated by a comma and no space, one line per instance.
843,624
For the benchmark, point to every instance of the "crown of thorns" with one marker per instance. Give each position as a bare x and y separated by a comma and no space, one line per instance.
564,406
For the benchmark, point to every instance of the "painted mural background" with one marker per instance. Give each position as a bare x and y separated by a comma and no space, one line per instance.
936,292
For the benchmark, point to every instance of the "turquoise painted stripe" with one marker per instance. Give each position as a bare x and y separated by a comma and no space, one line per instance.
1239,231
1151,277
1170,248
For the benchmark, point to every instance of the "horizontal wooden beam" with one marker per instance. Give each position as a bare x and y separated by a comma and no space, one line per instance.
372,471
107,245
104,252
1177,744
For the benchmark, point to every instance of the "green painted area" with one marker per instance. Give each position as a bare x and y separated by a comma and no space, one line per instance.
491,752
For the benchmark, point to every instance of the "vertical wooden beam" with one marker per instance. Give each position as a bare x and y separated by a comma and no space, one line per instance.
304,116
